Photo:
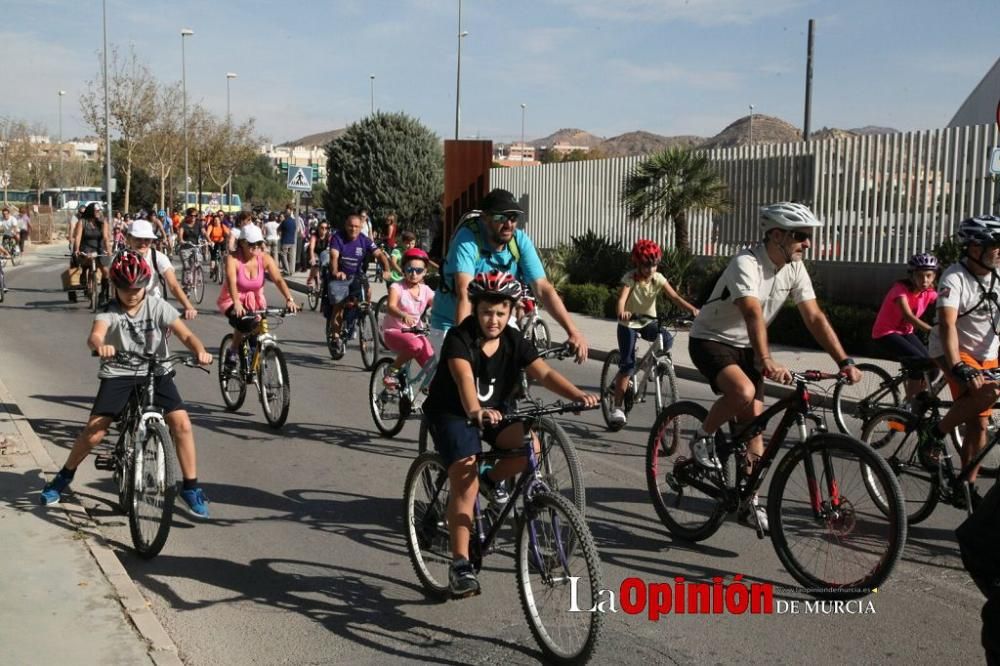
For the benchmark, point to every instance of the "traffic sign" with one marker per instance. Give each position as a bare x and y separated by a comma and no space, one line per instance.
995,162
300,178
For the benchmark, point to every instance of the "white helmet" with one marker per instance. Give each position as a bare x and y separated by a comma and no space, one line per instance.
787,215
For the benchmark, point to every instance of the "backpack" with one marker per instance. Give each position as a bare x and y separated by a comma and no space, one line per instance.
472,224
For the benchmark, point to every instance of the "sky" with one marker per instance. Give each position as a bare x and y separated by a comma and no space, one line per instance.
605,66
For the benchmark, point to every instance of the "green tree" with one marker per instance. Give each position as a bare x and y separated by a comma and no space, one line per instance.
259,184
144,190
670,183
387,162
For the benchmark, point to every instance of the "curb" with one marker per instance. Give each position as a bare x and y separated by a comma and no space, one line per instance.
162,650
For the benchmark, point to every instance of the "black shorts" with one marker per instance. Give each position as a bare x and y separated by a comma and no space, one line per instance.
455,439
114,393
712,357
245,325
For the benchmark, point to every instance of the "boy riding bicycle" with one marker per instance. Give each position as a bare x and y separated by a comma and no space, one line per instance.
138,324
484,358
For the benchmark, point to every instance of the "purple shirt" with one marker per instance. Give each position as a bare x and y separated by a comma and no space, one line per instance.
352,253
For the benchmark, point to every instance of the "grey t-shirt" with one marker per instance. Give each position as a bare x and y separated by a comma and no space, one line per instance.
142,334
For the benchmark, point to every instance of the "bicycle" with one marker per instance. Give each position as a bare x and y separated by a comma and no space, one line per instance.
143,461
217,267
96,293
3,279
554,550
531,324
357,312
391,406
261,363
313,294
857,526
656,364
10,243
923,464
192,277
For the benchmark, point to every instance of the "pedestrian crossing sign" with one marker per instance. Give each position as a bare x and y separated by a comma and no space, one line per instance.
300,178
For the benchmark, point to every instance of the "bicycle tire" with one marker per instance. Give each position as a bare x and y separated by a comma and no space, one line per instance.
95,295
335,345
198,284
368,339
677,485
540,336
3,284
608,373
13,257
312,296
427,538
892,433
379,396
123,473
868,397
559,465
553,545
275,386
667,380
154,490
852,527
990,465
423,437
232,382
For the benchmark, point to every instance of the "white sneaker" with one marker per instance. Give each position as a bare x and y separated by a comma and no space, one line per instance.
754,515
617,417
703,451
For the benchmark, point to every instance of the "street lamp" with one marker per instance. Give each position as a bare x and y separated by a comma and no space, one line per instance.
751,125
62,182
229,123
371,79
185,32
458,71
523,106
107,118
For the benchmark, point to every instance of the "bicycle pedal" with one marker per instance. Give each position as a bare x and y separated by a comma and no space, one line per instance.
473,593
104,462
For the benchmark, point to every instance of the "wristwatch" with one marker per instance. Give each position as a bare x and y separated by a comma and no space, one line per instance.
845,362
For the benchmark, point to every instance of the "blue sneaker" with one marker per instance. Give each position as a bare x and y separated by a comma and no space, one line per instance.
52,492
196,501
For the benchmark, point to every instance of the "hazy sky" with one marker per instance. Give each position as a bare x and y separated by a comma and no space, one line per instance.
606,66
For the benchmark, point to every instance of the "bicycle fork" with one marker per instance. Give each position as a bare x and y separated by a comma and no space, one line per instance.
832,488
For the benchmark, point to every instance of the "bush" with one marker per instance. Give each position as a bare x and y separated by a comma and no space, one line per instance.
555,260
948,252
853,325
596,260
589,299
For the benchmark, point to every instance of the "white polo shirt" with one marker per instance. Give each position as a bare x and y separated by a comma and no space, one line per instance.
750,273
958,288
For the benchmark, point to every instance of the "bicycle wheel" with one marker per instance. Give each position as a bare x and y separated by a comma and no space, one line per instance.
608,373
828,531
3,284
232,382
558,465
425,496
312,296
388,406
367,339
424,442
893,434
14,256
275,386
686,496
92,285
540,335
990,466
876,390
197,284
154,490
381,308
334,343
557,565
123,472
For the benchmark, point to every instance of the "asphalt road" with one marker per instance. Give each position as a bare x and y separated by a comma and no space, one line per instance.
304,559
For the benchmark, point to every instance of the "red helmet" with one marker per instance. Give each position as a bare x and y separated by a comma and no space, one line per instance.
130,271
414,253
496,284
646,252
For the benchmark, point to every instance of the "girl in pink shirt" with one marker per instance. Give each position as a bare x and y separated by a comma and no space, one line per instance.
899,317
407,302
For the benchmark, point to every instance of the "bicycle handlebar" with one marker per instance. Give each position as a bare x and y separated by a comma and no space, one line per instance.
537,411
129,358
559,353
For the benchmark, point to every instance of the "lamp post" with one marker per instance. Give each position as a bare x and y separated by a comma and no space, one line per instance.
107,118
751,125
185,32
458,72
523,107
62,182
229,124
371,80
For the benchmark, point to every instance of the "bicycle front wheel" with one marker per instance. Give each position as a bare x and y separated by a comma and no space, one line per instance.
232,382
3,284
828,531
312,296
855,404
367,339
154,489
425,496
275,386
686,496
557,565
92,284
197,284
381,308
892,433
608,373
540,336
388,406
558,464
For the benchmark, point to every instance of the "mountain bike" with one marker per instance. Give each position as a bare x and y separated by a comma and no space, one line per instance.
217,267
554,555
192,276
656,364
96,289
922,463
313,294
260,363
143,462
358,315
531,324
13,249
835,509
391,405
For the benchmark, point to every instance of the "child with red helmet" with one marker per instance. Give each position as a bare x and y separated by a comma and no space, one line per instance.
636,311
137,323
408,300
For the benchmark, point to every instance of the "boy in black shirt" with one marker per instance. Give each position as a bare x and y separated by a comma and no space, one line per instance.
484,359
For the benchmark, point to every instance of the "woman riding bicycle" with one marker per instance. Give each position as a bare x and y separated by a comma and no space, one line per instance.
408,300
481,363
319,253
91,235
243,288
899,318
137,324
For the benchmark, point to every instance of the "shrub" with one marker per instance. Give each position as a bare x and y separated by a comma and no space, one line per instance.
948,252
588,299
853,325
596,260
555,260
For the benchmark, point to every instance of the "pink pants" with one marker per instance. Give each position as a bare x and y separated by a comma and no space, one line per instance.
416,346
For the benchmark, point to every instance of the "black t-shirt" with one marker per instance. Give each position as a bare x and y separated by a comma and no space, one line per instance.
497,376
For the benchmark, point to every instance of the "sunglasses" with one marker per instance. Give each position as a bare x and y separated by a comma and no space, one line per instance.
500,218
800,236
413,270
257,246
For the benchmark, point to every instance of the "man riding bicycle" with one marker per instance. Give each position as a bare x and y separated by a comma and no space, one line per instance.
348,249
728,342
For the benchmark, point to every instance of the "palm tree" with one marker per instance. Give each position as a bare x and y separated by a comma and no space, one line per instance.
670,183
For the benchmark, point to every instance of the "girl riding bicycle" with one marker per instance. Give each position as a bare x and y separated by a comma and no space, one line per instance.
408,300
899,318
136,323
481,363
636,303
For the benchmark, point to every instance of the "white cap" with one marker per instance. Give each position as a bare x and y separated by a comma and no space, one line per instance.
141,229
251,233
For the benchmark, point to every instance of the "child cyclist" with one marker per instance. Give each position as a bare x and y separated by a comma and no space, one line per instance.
899,318
407,302
637,300
136,323
408,241
480,366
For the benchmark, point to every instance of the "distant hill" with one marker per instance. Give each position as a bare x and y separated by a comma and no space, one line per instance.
645,143
766,129
832,133
874,129
571,136
320,139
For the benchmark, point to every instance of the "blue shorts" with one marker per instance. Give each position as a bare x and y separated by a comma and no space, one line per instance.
627,338
455,439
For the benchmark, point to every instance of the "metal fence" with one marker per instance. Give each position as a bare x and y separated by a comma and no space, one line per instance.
883,197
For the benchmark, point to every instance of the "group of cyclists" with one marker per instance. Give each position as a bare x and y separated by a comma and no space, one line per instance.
490,261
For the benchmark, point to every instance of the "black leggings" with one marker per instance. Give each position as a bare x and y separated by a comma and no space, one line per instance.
906,349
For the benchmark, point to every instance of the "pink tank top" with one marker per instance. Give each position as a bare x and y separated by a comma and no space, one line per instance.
250,289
